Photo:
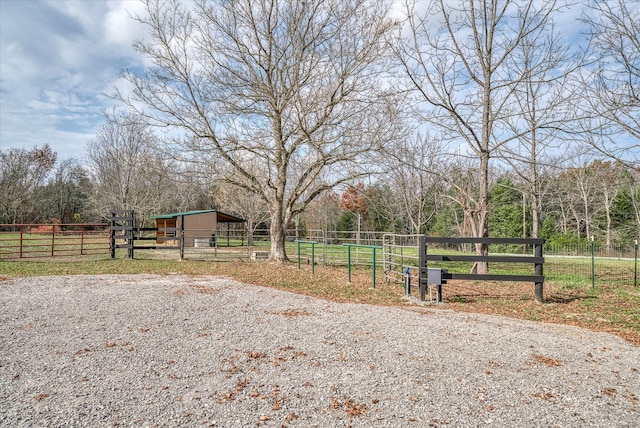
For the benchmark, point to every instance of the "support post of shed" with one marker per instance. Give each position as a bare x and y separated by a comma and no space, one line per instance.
181,231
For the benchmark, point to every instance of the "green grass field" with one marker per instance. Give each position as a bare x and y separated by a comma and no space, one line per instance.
570,271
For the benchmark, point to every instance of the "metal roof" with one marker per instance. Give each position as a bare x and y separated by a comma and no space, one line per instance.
220,216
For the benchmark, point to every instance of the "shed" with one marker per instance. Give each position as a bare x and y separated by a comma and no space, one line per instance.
201,225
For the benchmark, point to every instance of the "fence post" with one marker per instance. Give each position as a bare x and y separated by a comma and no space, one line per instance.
422,267
82,240
21,239
53,238
538,270
349,262
112,237
324,248
130,242
313,253
635,264
374,267
182,237
593,263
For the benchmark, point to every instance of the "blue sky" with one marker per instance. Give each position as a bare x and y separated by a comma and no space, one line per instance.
57,60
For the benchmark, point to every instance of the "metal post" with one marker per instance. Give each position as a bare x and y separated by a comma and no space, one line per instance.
324,248
593,262
53,237
539,290
374,267
313,258
349,262
635,264
313,253
407,282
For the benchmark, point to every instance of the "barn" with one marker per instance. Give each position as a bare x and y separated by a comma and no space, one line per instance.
204,226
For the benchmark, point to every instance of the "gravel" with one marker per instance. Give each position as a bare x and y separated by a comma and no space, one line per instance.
150,350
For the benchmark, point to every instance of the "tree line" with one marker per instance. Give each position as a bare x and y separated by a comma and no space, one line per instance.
584,198
470,117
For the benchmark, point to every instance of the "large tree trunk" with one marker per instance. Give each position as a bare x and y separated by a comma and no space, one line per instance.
482,230
484,154
535,215
278,237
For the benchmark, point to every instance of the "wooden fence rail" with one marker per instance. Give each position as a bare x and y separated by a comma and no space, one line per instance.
536,259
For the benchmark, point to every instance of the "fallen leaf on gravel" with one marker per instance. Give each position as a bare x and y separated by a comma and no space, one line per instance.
290,417
294,313
550,362
354,409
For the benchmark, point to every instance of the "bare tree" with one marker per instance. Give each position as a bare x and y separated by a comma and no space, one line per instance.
65,196
458,57
633,183
414,170
541,114
612,87
323,213
608,179
22,172
581,195
238,201
126,171
292,84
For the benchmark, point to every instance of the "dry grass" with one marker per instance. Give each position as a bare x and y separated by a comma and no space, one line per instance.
612,309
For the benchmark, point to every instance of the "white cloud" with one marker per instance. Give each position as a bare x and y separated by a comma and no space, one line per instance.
58,58
119,26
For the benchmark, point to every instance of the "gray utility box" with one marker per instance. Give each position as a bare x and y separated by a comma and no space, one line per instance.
429,277
434,276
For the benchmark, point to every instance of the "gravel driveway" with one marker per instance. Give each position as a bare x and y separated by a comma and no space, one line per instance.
151,350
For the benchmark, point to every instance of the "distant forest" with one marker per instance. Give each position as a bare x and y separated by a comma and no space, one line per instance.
599,198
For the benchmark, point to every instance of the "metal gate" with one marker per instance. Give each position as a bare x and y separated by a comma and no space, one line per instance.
122,228
399,252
